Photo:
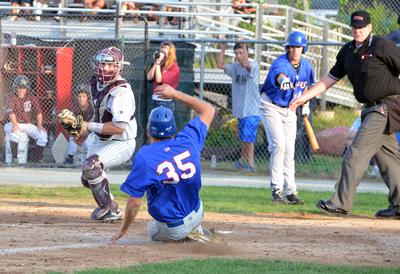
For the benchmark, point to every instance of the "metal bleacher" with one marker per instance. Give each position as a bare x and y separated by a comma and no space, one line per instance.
203,24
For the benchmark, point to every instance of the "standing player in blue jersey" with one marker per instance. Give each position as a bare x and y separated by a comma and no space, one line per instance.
168,170
288,78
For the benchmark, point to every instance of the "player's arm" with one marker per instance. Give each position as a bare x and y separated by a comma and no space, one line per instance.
109,128
322,85
131,211
14,122
204,110
220,57
39,120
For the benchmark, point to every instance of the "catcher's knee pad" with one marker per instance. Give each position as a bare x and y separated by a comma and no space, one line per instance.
93,169
84,182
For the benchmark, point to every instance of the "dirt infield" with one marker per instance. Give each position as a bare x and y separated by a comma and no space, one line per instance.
58,236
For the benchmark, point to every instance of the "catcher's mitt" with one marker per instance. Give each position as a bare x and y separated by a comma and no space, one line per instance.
71,123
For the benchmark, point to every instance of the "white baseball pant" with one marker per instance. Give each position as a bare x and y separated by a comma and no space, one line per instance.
22,139
158,231
280,127
111,153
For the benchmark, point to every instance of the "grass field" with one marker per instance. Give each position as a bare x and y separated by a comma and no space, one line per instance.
245,201
222,266
236,200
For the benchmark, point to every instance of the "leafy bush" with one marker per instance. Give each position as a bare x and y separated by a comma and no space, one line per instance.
343,116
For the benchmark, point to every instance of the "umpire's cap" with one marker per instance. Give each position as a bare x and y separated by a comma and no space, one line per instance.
297,39
161,123
360,19
21,81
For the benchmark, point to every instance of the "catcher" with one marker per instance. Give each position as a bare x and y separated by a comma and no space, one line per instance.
113,128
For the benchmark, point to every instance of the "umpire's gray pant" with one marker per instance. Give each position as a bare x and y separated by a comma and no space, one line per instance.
370,141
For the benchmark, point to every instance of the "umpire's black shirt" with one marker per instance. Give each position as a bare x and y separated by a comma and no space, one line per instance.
373,69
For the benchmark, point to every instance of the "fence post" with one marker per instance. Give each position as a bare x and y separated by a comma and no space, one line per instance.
118,20
202,65
259,30
289,22
324,63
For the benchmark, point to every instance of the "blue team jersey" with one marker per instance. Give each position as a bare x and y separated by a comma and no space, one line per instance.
169,172
300,80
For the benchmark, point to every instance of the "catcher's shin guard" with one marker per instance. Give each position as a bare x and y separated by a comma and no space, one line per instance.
93,177
101,194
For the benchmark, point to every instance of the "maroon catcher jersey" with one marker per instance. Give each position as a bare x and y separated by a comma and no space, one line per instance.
25,109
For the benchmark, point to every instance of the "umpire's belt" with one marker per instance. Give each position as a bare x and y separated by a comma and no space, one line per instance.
181,222
374,103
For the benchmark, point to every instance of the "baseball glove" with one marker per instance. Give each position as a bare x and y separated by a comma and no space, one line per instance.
71,123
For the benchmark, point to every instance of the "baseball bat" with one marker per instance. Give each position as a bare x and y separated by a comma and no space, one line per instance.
310,134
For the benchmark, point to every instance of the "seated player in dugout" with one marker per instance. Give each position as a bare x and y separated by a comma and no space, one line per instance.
24,111
168,171
82,107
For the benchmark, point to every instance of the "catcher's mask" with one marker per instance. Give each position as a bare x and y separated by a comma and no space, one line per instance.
161,122
112,57
21,81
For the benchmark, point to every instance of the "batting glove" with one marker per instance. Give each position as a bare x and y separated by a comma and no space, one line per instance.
305,109
285,83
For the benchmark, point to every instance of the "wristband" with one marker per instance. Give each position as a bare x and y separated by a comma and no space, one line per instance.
96,127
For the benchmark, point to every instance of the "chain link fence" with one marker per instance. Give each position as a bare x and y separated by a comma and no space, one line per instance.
57,66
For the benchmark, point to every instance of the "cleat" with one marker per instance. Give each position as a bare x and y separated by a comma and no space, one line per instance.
112,216
293,199
278,198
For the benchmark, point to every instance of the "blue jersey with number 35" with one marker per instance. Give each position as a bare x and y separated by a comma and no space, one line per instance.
169,173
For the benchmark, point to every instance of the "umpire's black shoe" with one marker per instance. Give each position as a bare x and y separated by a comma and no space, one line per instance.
293,199
387,213
330,208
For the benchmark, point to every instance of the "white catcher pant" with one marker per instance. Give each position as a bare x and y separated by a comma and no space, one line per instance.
158,231
280,127
111,153
22,139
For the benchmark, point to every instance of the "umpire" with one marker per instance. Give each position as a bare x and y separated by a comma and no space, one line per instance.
372,64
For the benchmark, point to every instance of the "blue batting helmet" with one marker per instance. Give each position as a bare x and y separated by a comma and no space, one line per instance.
297,38
161,122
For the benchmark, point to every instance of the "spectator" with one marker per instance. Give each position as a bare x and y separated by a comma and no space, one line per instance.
82,107
395,35
171,19
96,5
165,70
245,100
289,76
20,3
238,8
39,4
22,110
131,6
